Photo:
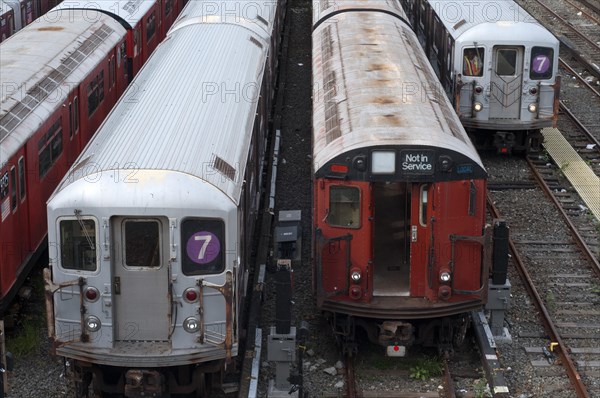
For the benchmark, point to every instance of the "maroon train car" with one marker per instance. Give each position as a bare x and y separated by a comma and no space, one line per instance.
146,22
401,246
53,100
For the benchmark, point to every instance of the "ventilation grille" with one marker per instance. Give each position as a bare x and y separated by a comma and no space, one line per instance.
224,168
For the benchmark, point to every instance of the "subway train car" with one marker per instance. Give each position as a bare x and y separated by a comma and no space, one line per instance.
401,249
497,64
60,78
146,21
150,231
7,21
16,14
52,101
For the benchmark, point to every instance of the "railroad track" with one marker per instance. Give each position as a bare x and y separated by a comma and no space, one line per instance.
575,26
561,280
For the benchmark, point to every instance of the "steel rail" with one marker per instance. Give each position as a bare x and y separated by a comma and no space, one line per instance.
563,350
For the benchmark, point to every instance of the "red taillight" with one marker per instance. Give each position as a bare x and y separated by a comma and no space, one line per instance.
396,348
339,168
478,89
533,91
191,295
92,294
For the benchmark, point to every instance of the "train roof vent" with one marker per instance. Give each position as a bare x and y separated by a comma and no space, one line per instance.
459,24
261,19
224,168
258,44
48,84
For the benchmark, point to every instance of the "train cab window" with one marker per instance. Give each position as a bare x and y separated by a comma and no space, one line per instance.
50,147
22,191
506,62
473,58
424,195
78,244
168,6
344,207
541,63
13,188
142,243
203,246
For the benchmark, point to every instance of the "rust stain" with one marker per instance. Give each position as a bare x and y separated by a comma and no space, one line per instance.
51,28
374,67
385,100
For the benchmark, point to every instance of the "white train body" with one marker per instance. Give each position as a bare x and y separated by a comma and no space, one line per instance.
149,232
512,91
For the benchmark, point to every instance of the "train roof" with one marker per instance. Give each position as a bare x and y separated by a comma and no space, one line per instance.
191,108
127,12
4,8
328,9
40,65
495,19
374,87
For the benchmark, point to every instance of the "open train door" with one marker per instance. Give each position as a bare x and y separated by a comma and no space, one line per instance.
505,82
391,238
141,279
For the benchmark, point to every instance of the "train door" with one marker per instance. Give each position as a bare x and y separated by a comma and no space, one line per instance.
140,282
344,235
505,82
391,238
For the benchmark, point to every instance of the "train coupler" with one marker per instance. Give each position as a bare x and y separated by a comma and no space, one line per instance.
144,383
396,336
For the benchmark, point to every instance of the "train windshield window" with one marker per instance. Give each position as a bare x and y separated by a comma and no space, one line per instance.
541,63
203,246
506,63
473,61
78,244
344,207
142,244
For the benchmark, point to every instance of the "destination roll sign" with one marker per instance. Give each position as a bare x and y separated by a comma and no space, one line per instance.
417,162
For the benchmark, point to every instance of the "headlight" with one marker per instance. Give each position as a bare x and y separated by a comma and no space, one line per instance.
477,106
355,276
445,277
191,325
92,323
532,108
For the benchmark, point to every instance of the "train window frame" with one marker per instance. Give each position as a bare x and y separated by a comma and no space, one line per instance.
204,230
50,148
126,247
13,189
87,255
95,93
150,26
480,53
547,53
335,212
22,186
423,204
507,63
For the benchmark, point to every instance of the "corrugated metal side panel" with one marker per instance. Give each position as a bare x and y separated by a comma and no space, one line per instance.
35,52
460,16
192,101
370,81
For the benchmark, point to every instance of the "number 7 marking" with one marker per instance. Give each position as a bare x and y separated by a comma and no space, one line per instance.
206,239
